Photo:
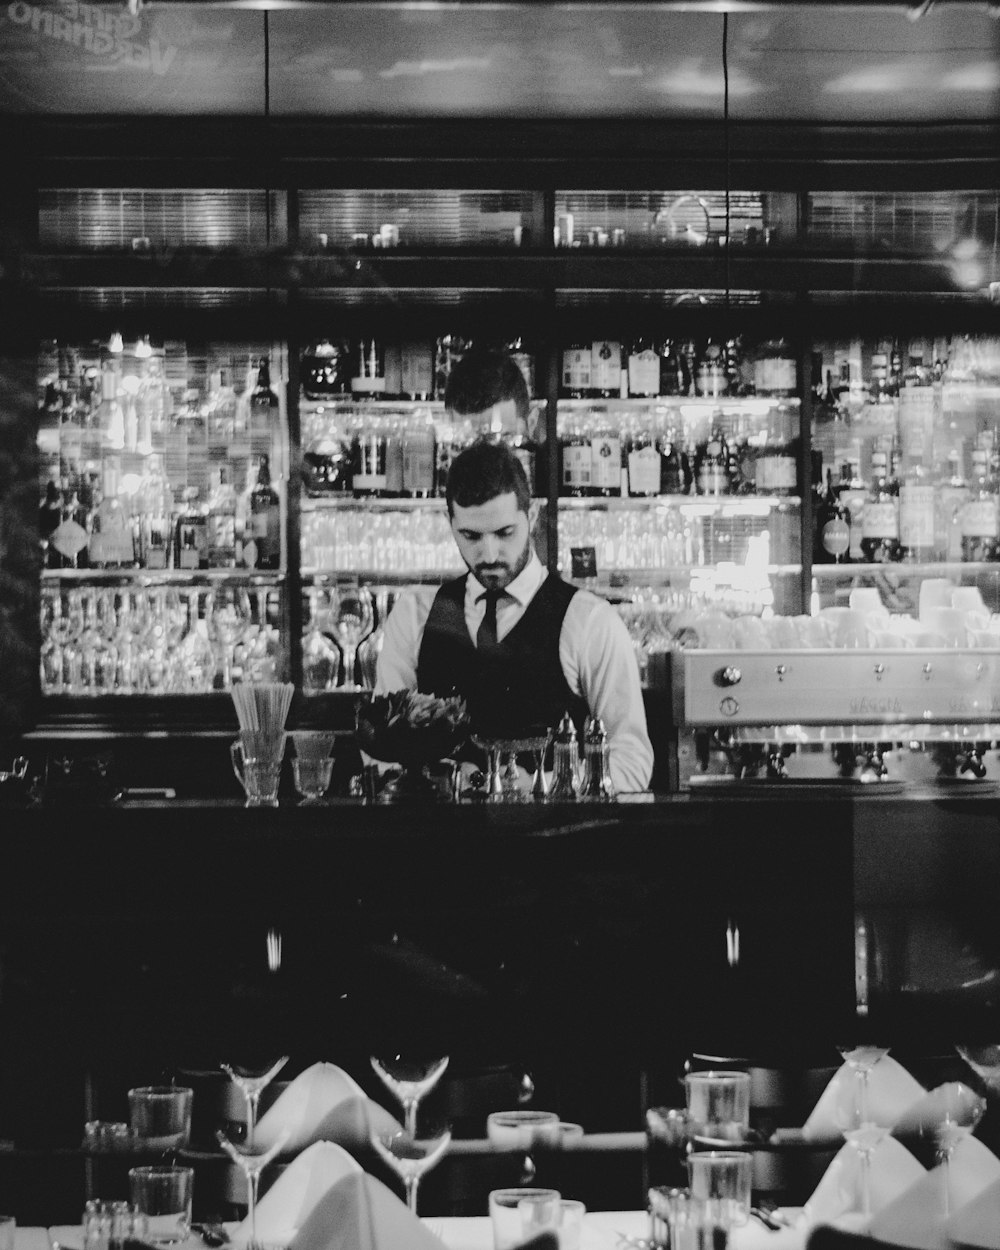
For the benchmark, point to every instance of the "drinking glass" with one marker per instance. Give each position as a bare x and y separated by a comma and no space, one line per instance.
252,1163
251,1084
718,1105
509,1213
852,1113
320,658
960,1110
160,1116
163,1194
352,619
410,1155
409,1080
229,617
312,766
984,1060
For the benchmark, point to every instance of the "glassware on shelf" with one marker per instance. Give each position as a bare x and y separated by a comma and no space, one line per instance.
227,610
320,658
351,618
371,648
409,1080
960,1110
411,1155
984,1059
251,1085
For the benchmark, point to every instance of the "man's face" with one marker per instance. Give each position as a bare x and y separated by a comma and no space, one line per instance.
493,539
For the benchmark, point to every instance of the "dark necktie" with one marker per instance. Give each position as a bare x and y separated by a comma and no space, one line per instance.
486,635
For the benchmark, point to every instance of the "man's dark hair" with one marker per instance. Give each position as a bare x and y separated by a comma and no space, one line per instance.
483,471
483,378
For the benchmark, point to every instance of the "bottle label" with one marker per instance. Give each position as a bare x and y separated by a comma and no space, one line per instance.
418,465
416,368
836,537
606,366
644,373
576,466
916,517
979,519
644,471
774,375
776,471
881,519
576,374
606,463
369,482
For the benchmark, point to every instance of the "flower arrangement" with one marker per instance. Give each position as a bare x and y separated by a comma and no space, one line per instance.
409,728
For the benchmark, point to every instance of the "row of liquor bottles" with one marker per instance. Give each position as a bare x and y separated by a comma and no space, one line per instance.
742,448
908,509
94,519
645,366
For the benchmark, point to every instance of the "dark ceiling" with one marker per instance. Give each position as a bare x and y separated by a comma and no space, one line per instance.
806,62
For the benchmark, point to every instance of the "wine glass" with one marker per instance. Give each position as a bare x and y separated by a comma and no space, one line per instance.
409,1080
251,1084
960,1110
229,617
984,1060
410,1155
252,1162
320,658
852,1112
352,619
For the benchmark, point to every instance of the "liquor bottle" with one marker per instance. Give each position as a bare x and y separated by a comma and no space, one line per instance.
368,456
265,519
419,455
710,374
111,543
263,402
324,369
916,513
576,371
980,529
369,374
832,526
68,541
326,461
879,389
574,449
777,468
675,464
774,370
192,532
880,523
853,491
712,464
605,459
393,488
951,496
523,444
221,520
644,367
606,368
156,405
154,507
222,406
674,378
641,457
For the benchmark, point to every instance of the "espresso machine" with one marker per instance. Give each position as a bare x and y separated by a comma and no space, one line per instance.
840,716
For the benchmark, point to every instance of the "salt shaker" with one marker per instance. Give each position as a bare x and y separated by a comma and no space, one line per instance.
564,763
597,786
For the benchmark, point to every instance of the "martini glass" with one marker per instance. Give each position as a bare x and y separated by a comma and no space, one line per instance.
853,1115
251,1084
411,1155
251,1162
961,1109
409,1080
984,1060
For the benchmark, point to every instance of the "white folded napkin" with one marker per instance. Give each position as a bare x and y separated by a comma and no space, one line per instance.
977,1222
891,1090
360,1213
297,1191
323,1103
917,1217
893,1170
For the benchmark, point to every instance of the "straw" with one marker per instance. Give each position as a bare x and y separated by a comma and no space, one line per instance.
262,707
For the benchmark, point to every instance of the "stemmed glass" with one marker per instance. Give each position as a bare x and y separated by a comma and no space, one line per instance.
251,1085
961,1109
410,1156
409,1080
320,658
351,619
229,617
252,1162
984,1060
852,1113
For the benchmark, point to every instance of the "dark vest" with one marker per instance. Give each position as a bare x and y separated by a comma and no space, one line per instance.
519,689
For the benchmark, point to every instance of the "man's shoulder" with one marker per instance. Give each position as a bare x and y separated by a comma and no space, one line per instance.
588,608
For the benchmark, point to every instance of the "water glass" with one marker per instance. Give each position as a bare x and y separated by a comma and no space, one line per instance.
718,1105
257,764
522,1130
8,1231
720,1181
163,1195
683,1223
160,1116
508,1213
564,1217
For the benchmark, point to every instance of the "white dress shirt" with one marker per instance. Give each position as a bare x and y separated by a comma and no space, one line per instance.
596,653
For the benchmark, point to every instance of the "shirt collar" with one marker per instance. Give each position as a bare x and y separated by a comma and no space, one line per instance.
522,588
